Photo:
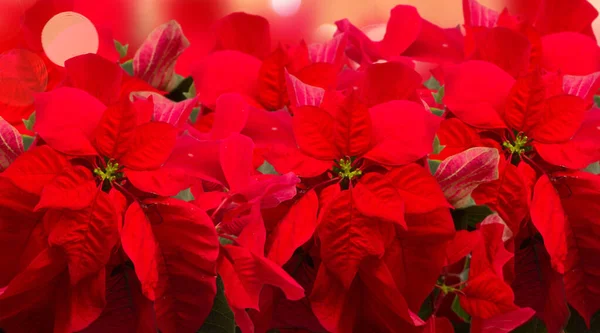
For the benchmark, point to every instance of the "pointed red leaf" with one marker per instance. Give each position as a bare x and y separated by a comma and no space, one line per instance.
347,238
549,219
463,243
417,187
62,125
508,196
403,28
352,129
401,124
272,87
187,250
295,229
126,310
562,117
34,285
490,254
570,53
290,159
84,303
580,195
74,189
580,151
538,286
236,161
114,135
460,174
96,75
231,116
374,196
86,236
314,129
525,105
244,275
389,81
35,169
154,61
152,144
487,296
476,92
140,246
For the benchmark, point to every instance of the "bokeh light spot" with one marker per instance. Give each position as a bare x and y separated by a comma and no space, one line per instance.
325,32
375,32
286,7
69,34
22,74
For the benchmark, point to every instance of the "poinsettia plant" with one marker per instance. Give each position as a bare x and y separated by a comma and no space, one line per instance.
436,180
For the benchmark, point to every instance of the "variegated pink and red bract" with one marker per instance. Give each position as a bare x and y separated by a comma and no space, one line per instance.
434,181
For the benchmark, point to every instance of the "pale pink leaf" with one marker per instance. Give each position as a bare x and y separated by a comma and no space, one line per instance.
165,110
477,15
495,218
154,61
330,52
460,174
11,144
584,86
302,94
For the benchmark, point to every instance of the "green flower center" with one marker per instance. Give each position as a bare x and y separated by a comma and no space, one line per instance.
346,171
110,173
519,146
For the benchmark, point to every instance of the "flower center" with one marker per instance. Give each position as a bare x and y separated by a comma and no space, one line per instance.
346,171
110,173
519,146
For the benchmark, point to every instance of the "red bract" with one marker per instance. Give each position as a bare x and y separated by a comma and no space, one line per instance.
437,180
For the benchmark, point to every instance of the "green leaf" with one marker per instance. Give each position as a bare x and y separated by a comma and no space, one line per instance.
434,165
267,169
439,95
470,216
437,112
225,241
597,100
194,115
432,84
182,85
128,66
220,319
27,141
437,147
191,93
593,168
30,122
460,312
122,49
185,195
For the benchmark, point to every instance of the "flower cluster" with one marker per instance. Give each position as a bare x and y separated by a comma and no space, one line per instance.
437,180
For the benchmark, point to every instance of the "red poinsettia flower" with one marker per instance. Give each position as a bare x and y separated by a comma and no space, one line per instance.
243,50
406,34
533,36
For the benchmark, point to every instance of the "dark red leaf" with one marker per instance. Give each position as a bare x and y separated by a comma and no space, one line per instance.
152,144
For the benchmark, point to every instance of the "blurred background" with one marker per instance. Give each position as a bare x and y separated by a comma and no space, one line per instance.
291,20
